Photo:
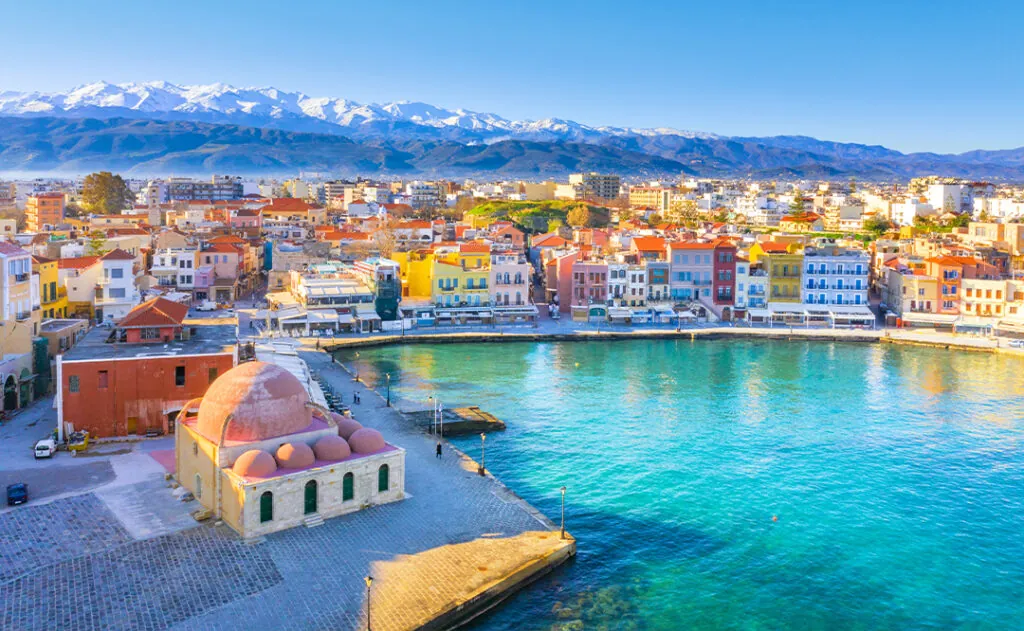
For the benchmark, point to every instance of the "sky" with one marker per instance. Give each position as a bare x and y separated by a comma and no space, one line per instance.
937,76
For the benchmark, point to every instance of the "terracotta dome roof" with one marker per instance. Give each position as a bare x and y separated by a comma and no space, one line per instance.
366,441
346,425
295,456
266,401
331,448
255,463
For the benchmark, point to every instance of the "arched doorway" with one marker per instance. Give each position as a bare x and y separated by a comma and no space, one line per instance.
348,487
383,481
10,393
310,497
727,314
266,507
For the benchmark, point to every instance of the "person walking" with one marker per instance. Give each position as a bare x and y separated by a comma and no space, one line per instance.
438,449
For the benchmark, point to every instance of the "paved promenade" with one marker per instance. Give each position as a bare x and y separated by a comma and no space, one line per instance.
113,557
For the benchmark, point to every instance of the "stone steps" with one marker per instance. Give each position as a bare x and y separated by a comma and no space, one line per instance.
313,521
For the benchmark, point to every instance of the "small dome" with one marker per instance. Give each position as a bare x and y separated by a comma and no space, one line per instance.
255,463
295,456
346,426
263,401
331,448
366,441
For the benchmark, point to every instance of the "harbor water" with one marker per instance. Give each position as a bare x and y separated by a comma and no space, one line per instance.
749,484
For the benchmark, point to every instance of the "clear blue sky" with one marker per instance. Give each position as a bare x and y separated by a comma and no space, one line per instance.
912,75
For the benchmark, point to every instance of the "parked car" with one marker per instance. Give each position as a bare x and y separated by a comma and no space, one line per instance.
206,305
45,448
1016,343
17,493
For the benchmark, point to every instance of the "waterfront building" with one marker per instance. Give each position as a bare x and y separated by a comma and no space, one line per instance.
460,276
692,268
617,283
835,276
132,379
782,262
382,277
723,289
636,286
510,279
589,283
658,283
262,457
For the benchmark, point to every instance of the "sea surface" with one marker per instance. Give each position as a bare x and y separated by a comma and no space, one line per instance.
750,484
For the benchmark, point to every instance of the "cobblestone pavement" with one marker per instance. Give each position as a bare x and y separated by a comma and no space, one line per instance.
148,509
205,578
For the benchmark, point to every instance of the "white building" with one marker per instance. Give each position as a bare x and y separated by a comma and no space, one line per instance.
618,286
835,276
903,213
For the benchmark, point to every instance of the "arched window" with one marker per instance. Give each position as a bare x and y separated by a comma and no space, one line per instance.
348,487
266,507
310,506
199,487
382,478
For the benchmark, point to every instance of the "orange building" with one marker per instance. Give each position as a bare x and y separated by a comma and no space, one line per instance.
135,378
44,211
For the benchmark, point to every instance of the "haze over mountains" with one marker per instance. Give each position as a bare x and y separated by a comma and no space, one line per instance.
159,127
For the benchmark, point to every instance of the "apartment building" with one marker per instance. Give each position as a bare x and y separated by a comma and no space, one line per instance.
593,186
835,276
44,211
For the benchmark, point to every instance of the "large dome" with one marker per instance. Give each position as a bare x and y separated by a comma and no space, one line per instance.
264,399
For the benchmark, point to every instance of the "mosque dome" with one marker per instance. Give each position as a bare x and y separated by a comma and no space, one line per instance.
295,456
264,401
331,448
366,441
346,425
255,463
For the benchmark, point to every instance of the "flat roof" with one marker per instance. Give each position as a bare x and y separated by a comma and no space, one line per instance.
209,339
52,326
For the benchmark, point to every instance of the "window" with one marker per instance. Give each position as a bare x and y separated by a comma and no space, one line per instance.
199,487
102,379
212,374
266,507
117,272
383,482
117,292
179,375
73,383
151,333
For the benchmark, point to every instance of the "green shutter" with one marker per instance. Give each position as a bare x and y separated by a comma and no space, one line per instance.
382,478
266,507
348,487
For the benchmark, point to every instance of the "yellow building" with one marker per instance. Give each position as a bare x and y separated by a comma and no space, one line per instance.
783,274
459,276
784,245
20,323
53,297
415,267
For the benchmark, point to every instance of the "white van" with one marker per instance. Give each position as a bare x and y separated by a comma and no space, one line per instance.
206,305
45,448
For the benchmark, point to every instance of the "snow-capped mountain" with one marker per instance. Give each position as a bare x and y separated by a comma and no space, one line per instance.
294,111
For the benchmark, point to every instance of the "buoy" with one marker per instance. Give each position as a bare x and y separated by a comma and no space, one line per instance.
775,518
577,364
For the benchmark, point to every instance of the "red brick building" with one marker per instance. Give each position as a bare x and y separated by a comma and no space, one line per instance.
724,273
135,377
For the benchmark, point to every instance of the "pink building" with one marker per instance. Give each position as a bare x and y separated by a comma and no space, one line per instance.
589,283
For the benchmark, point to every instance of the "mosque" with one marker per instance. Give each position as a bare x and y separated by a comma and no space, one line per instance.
262,457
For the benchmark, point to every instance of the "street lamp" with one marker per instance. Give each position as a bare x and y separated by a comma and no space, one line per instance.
369,581
482,468
433,407
357,365
389,389
563,514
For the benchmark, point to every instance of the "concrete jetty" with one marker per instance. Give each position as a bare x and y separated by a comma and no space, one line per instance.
457,421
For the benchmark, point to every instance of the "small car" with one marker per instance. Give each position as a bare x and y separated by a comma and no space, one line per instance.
17,493
45,448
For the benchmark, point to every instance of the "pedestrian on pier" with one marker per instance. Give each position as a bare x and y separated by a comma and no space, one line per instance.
438,449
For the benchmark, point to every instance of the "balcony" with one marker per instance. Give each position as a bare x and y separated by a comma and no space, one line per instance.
21,278
23,315
702,283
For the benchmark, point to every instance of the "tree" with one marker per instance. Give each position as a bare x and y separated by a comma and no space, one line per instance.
797,205
385,238
554,225
961,221
654,219
877,226
106,194
579,216
97,244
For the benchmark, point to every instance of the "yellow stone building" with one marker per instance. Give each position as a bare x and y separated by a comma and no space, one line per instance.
783,263
53,297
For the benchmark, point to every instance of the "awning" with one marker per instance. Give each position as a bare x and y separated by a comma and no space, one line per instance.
930,318
619,313
366,313
1010,325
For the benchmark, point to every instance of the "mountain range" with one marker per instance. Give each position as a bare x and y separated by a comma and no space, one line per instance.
159,127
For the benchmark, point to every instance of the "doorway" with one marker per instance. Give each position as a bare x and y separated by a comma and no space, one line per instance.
310,497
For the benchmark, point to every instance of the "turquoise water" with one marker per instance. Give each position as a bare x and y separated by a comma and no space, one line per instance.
896,475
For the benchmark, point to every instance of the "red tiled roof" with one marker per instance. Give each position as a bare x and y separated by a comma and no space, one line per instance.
155,312
40,260
772,247
225,248
649,244
80,262
286,204
117,254
691,245
471,248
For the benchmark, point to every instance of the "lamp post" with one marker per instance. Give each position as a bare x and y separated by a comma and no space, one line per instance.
433,407
369,581
389,389
357,365
483,440
563,514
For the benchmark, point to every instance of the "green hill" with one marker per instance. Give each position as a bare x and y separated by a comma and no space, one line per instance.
537,216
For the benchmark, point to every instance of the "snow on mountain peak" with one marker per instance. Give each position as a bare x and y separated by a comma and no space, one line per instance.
220,102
